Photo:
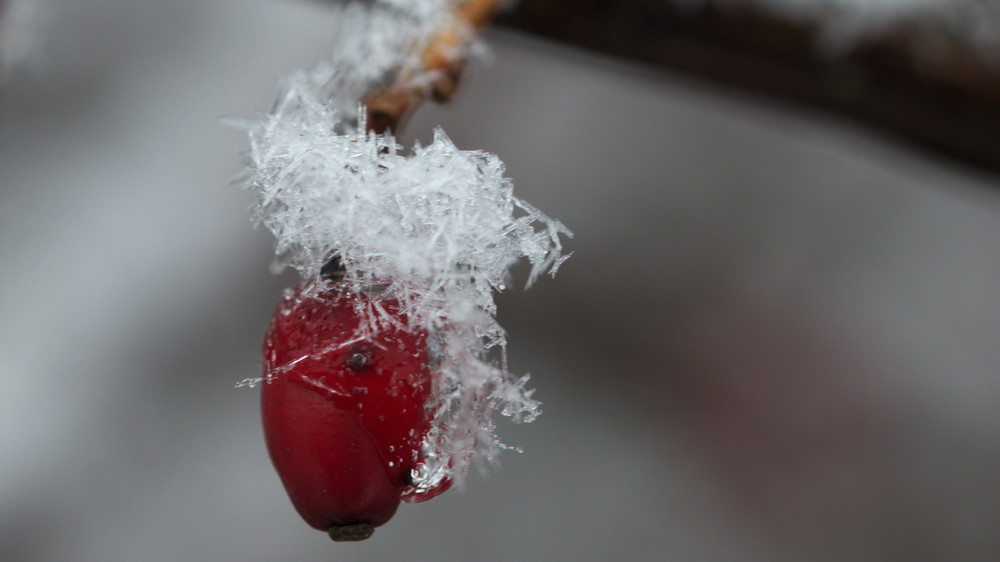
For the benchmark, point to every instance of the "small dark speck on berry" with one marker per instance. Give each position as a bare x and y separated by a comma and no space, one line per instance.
359,359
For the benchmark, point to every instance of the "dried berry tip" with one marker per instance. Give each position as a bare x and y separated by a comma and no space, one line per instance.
355,532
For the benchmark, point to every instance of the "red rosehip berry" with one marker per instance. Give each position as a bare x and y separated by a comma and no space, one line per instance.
344,416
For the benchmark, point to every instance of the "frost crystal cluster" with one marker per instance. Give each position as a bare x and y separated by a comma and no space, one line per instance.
435,228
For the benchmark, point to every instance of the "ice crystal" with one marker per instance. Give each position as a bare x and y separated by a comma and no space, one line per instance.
435,228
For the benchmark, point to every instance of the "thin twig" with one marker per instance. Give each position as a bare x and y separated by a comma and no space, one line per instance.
444,57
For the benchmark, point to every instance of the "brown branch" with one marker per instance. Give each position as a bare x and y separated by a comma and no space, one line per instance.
444,57
946,102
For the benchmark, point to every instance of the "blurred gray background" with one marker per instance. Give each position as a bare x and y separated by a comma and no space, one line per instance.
777,339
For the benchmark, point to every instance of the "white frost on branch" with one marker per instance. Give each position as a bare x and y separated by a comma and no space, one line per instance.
435,228
374,44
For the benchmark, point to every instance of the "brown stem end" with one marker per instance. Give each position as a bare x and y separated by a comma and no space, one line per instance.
353,532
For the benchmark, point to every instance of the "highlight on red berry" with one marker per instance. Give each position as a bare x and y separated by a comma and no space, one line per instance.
346,409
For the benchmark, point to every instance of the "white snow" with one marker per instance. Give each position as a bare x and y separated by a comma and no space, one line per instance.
438,227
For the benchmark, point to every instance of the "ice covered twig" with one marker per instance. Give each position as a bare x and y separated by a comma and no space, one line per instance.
441,60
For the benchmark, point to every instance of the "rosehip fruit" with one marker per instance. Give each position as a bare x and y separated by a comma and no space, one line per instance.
344,416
